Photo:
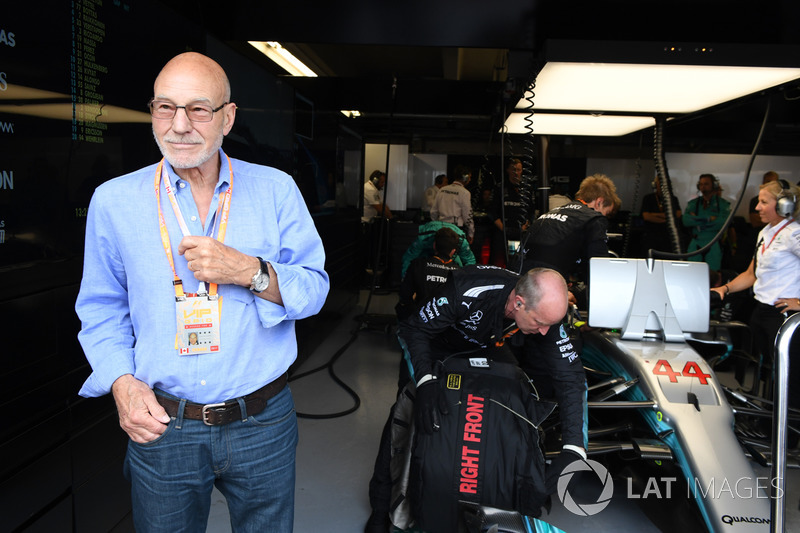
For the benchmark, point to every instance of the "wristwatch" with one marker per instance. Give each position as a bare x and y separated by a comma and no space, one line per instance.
260,280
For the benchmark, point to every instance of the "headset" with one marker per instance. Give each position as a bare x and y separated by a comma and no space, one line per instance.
462,173
375,177
786,200
714,181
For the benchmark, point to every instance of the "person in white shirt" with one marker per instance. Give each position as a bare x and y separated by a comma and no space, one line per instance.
373,197
454,203
774,273
432,192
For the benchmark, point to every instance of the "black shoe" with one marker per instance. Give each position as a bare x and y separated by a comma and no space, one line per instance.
378,522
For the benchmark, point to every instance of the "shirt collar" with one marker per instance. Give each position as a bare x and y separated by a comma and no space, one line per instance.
222,179
769,229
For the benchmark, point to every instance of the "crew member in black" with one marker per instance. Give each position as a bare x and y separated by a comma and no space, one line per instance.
425,274
488,309
517,204
476,309
656,231
566,237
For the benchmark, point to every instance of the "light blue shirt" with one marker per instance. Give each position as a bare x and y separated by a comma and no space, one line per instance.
126,301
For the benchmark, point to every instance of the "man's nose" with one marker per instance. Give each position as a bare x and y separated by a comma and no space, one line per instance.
181,122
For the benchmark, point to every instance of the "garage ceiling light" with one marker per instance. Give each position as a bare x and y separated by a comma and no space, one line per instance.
672,89
590,78
587,124
284,58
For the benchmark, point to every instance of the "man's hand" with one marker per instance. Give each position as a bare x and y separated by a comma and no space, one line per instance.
140,414
428,403
213,262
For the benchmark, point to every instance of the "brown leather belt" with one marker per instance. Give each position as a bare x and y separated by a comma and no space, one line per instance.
217,414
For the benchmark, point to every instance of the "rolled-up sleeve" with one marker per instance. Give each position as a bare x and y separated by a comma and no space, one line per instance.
300,267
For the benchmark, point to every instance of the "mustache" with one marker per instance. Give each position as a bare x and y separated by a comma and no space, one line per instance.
182,140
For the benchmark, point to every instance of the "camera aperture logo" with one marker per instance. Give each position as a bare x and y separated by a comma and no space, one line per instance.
585,509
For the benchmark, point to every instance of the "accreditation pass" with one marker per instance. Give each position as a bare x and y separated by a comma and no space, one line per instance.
198,324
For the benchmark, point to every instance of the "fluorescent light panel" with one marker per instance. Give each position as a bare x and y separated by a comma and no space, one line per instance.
87,113
563,124
283,57
648,88
66,110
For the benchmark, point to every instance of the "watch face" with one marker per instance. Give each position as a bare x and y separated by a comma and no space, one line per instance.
262,282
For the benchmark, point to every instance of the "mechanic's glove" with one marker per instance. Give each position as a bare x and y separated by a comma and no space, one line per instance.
553,471
429,402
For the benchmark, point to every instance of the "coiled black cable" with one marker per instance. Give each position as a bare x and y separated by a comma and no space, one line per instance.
527,196
666,186
526,192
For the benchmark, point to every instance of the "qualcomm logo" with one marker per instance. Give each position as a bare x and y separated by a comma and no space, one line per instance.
585,509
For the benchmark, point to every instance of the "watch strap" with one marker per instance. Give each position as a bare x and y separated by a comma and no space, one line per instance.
263,271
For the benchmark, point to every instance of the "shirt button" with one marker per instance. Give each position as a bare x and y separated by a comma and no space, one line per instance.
194,218
181,185
202,382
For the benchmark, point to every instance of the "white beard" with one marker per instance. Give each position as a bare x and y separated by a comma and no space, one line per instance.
185,160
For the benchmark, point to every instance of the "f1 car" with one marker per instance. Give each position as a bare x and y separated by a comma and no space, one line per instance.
654,397
658,415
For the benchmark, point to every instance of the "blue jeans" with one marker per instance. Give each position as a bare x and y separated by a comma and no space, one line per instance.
252,462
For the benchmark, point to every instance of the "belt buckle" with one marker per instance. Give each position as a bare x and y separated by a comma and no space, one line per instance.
205,409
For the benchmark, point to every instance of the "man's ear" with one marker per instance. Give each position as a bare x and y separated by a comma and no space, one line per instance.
230,116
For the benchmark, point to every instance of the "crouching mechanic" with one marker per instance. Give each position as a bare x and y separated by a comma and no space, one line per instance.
478,308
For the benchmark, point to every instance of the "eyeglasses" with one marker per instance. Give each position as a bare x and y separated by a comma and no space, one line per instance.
162,109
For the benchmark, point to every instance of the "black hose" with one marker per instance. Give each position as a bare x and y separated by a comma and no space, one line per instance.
342,384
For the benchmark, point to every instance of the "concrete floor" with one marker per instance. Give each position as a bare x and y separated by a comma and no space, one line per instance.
335,456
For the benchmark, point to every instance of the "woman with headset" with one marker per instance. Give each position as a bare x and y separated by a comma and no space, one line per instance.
773,273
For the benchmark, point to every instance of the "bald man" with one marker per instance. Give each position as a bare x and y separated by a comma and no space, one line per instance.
202,244
480,306
491,312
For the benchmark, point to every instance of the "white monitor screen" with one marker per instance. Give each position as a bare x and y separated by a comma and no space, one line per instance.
641,297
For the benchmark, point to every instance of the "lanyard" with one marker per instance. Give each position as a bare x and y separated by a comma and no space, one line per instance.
223,208
509,331
763,248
